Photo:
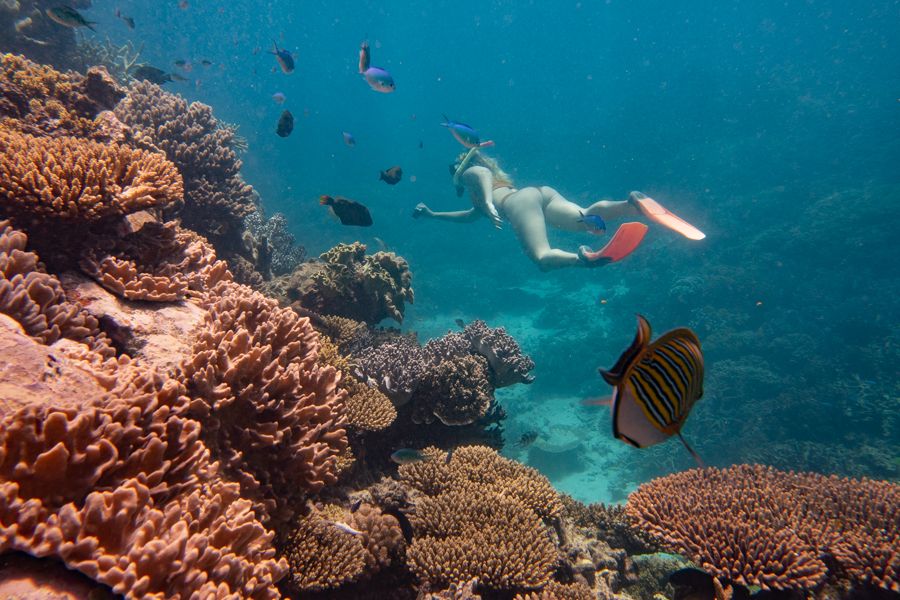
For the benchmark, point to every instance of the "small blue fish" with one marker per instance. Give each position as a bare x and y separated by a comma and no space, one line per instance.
594,223
377,78
285,59
465,134
348,138
279,98
408,456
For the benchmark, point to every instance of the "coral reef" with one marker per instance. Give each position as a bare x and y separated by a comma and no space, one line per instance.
321,556
456,391
100,468
396,368
508,364
68,181
272,414
759,526
25,27
216,198
38,100
273,235
348,283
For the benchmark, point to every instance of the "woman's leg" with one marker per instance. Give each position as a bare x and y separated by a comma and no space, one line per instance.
525,211
564,214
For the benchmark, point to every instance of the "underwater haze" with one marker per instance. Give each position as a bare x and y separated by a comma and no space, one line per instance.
773,127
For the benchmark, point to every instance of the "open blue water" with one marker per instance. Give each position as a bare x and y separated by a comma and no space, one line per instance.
771,126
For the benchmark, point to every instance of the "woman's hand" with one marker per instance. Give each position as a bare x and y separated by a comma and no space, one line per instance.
421,211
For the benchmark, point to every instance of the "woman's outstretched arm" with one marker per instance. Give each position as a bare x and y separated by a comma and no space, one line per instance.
459,216
480,183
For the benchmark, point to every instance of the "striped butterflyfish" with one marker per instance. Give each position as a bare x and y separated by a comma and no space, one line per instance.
656,385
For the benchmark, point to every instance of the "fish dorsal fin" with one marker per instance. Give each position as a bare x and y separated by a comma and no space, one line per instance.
634,352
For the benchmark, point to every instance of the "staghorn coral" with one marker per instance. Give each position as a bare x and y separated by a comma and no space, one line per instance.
759,526
37,300
468,534
321,556
39,100
346,282
61,182
508,364
216,198
154,261
480,467
100,469
256,364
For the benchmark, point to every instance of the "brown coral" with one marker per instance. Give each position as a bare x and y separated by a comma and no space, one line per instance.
68,180
382,536
270,411
455,390
156,262
760,526
36,299
99,468
321,556
480,467
367,408
39,100
558,591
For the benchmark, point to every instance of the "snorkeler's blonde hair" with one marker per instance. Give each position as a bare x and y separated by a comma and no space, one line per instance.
501,177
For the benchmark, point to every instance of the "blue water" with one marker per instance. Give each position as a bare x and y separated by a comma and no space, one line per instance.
772,127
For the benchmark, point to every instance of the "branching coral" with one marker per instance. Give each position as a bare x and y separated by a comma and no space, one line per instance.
759,526
100,469
321,556
272,414
37,300
396,368
509,364
73,181
38,100
455,390
346,282
216,198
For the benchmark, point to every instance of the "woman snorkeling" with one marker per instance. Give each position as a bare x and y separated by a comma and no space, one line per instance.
531,209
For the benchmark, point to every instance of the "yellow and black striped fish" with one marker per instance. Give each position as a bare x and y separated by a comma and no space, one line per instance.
656,385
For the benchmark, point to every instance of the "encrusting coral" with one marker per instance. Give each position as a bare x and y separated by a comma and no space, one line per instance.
271,412
760,526
56,181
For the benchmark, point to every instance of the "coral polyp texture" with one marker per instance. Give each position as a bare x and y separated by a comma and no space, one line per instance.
216,198
39,100
509,364
321,556
478,515
99,468
271,412
69,180
759,526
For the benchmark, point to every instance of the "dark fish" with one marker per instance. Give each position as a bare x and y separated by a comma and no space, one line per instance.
127,20
285,59
151,74
356,504
526,439
460,323
408,456
421,145
391,176
205,62
348,138
449,456
69,17
656,386
594,223
349,212
285,124
405,526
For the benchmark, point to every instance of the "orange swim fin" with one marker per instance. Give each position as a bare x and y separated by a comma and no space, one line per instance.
655,211
627,237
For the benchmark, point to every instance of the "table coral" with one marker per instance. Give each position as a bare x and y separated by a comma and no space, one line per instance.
56,181
271,413
759,526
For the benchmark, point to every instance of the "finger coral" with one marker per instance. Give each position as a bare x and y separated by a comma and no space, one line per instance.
100,469
271,413
759,526
39,100
37,300
74,181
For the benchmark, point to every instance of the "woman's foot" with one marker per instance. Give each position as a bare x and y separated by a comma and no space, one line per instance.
589,258
626,239
655,211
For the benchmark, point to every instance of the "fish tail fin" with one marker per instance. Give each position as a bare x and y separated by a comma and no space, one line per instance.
641,338
601,401
446,122
326,200
696,456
